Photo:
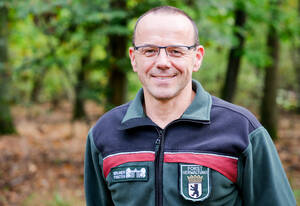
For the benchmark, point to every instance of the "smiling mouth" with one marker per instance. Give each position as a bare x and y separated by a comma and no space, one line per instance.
164,77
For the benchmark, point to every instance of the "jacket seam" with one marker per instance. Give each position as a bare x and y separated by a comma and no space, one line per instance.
251,137
93,140
254,125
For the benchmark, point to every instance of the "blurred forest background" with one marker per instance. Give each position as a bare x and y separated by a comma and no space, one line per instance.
64,62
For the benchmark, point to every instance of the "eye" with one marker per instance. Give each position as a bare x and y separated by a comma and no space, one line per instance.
175,51
149,51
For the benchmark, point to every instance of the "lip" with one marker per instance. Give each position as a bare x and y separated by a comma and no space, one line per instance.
163,80
164,77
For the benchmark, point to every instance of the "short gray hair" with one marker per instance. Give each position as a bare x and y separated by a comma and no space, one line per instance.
168,10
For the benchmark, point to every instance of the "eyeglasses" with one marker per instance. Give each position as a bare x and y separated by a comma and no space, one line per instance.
171,51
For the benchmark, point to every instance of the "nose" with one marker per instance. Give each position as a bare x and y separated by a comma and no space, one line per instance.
162,60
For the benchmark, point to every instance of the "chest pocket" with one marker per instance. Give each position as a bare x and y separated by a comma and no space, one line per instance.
132,183
194,182
195,179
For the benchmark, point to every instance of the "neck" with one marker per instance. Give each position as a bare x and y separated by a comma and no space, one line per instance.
162,112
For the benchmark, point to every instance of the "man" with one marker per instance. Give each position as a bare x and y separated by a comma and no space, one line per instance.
175,144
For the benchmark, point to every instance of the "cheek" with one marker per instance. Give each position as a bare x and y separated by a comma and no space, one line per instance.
183,66
143,67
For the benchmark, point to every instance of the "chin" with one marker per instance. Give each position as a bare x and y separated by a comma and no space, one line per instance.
163,95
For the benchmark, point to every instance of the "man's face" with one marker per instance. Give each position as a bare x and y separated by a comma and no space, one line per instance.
164,77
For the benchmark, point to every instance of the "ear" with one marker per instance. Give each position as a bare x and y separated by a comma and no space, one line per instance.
132,59
198,58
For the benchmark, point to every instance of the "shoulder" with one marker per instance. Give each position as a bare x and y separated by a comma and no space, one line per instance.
234,114
110,120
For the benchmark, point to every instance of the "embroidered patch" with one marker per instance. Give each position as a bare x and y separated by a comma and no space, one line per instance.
194,182
130,173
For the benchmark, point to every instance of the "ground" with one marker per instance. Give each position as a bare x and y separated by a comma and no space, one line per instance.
42,165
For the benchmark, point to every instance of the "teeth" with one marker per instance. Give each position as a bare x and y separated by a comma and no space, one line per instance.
168,77
164,77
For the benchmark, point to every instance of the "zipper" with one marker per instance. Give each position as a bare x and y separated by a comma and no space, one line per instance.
159,159
157,144
158,166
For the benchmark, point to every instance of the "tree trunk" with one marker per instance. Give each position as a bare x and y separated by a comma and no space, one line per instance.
117,88
6,122
269,113
235,54
296,60
37,85
78,108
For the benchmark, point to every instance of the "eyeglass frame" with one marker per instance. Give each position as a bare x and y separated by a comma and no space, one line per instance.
164,47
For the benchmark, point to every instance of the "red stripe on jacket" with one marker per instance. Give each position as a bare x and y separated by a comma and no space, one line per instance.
118,159
224,165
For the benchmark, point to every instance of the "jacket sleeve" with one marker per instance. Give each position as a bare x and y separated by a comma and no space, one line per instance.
96,191
264,181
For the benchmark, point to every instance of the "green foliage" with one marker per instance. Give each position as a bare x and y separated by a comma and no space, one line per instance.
49,40
61,35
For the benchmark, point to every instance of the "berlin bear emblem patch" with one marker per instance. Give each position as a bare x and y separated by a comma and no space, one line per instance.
194,182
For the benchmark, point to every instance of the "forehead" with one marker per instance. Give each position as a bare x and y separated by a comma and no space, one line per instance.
164,29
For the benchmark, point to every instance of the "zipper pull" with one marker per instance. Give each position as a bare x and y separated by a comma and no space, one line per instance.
157,144
157,141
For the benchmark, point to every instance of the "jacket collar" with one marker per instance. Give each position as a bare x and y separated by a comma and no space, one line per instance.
198,111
